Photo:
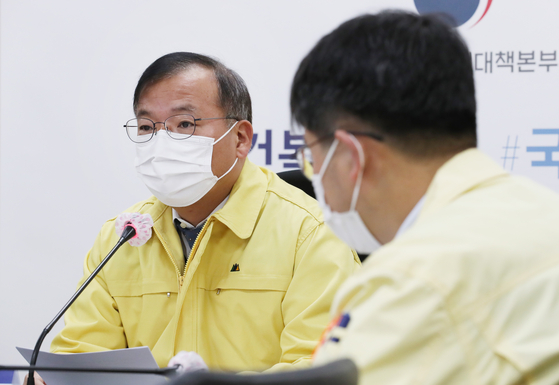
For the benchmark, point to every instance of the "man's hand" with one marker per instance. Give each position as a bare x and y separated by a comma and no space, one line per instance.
188,362
38,379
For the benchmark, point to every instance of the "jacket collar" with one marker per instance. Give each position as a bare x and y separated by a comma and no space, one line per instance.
239,213
164,226
462,173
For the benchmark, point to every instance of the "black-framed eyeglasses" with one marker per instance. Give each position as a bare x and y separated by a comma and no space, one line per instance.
303,154
179,127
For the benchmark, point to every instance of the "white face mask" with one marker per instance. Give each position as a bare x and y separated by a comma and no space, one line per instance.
178,172
348,226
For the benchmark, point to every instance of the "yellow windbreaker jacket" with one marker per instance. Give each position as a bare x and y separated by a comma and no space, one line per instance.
268,311
469,294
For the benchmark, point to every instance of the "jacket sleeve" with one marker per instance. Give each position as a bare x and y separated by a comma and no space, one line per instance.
93,322
322,263
397,330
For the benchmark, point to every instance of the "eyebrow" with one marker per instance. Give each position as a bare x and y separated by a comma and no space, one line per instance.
186,108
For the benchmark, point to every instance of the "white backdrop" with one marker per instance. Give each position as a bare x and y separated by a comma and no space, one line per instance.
68,70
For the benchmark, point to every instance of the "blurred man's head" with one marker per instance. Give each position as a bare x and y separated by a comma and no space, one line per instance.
409,77
384,100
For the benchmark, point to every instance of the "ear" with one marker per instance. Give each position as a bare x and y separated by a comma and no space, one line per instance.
244,138
347,140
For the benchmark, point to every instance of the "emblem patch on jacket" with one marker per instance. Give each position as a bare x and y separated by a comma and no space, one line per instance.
235,267
334,331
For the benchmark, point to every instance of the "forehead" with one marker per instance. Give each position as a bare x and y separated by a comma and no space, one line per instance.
193,90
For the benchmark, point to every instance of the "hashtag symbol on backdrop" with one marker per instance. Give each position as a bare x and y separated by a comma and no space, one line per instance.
508,149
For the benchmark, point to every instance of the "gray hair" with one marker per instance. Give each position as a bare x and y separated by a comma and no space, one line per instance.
234,97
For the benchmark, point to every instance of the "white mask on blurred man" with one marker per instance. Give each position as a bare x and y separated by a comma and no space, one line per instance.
348,226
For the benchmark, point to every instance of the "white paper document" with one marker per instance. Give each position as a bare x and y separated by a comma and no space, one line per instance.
132,358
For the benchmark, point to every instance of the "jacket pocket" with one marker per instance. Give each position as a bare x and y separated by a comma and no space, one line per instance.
243,319
145,308
236,281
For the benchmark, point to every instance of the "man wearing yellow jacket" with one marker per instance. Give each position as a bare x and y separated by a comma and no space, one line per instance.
461,286
240,268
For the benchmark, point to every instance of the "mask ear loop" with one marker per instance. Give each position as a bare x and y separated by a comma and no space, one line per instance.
236,159
360,177
329,156
228,171
228,131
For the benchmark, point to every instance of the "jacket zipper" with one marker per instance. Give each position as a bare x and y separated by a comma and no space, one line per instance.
192,252
171,258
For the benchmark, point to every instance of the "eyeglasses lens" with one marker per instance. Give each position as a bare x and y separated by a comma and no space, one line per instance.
180,126
139,130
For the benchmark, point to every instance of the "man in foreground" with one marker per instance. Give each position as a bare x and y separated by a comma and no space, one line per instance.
462,283
240,268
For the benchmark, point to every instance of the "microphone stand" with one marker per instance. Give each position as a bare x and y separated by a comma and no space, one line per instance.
127,234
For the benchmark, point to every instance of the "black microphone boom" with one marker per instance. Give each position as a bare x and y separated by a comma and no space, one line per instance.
128,232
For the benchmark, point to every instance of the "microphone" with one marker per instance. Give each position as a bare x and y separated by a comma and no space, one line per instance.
134,228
